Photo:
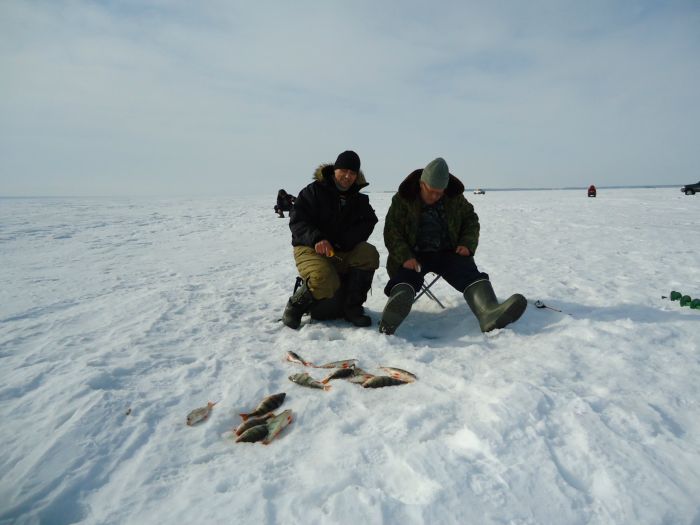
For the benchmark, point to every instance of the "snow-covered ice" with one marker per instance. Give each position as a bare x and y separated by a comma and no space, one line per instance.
591,415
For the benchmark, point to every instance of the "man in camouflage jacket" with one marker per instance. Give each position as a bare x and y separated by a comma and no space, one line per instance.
431,227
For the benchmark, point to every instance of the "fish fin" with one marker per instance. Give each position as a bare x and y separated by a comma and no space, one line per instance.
244,416
211,404
326,387
325,381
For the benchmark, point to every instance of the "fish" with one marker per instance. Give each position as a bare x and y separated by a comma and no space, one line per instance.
381,381
252,422
360,376
256,433
398,373
277,424
305,379
340,373
296,358
348,363
200,414
266,405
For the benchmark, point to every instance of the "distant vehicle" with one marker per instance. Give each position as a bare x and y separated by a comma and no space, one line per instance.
591,191
479,191
690,189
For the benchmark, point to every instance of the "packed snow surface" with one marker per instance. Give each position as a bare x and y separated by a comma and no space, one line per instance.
120,316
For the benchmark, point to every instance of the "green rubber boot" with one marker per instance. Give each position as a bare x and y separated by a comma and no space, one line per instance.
491,315
397,308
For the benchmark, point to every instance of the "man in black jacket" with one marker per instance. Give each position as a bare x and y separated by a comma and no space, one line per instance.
331,222
285,202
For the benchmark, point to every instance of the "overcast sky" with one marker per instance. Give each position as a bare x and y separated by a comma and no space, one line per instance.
171,98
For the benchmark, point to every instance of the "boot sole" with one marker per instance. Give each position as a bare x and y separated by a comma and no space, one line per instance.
395,311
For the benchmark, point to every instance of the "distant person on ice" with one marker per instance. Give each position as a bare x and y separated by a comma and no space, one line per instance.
285,202
431,227
331,222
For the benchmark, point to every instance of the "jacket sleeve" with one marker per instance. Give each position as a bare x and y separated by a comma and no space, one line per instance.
362,226
395,236
469,226
303,219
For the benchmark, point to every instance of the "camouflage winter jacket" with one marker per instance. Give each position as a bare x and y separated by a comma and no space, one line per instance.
402,219
319,214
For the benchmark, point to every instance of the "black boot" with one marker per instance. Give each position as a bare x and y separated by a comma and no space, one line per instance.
397,307
491,315
297,305
331,308
358,284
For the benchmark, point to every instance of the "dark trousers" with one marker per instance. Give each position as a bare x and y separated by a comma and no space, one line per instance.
459,271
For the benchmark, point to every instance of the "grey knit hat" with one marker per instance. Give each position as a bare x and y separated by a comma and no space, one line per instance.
436,174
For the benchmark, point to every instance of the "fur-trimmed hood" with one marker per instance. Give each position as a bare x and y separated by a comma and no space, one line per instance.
409,189
325,173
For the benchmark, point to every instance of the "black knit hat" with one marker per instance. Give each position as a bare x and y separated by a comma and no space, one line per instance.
347,160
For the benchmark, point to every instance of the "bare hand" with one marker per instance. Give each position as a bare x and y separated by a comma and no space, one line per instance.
324,248
412,264
463,250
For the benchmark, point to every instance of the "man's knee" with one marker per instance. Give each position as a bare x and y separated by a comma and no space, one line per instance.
324,285
321,276
462,272
364,257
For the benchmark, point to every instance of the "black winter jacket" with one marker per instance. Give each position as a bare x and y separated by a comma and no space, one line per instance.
317,213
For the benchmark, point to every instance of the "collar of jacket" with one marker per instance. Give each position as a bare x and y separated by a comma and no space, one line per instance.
325,173
410,187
